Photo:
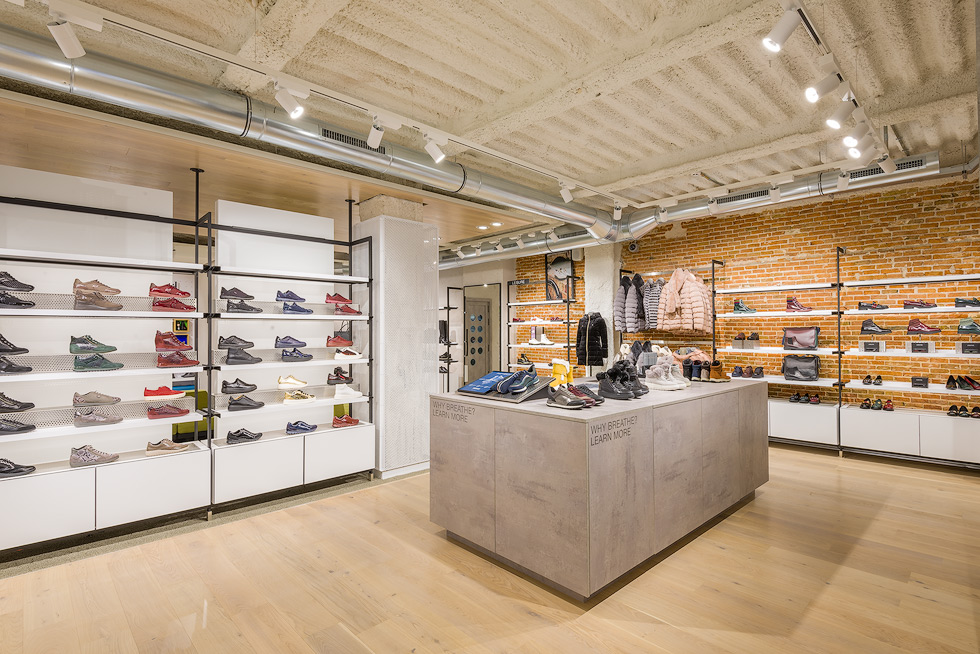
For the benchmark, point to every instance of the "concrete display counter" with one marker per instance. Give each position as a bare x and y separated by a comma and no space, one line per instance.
579,498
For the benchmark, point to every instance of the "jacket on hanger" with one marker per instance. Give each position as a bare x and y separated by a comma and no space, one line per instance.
651,301
591,340
619,305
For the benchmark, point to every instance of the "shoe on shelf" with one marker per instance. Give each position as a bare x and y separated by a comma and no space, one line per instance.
234,294
706,371
234,342
87,455
94,286
968,326
175,360
337,341
966,302
288,296
805,399
88,345
525,380
168,342
242,436
167,290
165,411
951,383
94,398
794,305
298,397
523,360
876,405
658,378
795,397
241,307
344,421
343,392
741,307
888,406
295,355
9,284
866,403
10,469
740,336
94,302
171,304
90,418
8,367
563,399
338,376
289,382
963,412
347,310
678,376
869,327
814,399
973,384
975,413
7,348
244,403
687,369
953,410
962,384
717,372
754,336
10,405
916,326
8,426
589,393
94,362
336,299
166,446
877,381
237,387
696,370
871,306
589,402
8,301
299,427
162,393
239,357
289,341
867,380
443,370
918,304
758,373
349,353
503,386
544,340
294,309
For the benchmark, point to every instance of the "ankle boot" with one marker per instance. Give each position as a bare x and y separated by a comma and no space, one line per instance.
443,332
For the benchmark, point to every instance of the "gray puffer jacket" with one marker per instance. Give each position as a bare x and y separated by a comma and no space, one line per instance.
651,301
619,305
633,301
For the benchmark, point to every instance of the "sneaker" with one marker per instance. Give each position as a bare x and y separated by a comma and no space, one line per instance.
443,370
241,307
741,307
869,327
237,387
610,389
503,386
343,391
560,397
244,403
289,341
239,357
963,412
589,393
916,326
876,405
346,353
344,421
9,405
168,342
293,309
794,305
805,399
94,302
11,285
877,381
234,294
871,306
165,411
167,290
289,382
298,397
758,373
347,310
288,296
88,345
523,360
299,427
795,397
339,341
89,418
89,456
295,355
162,393
867,380
234,342
8,301
544,340
242,436
175,360
737,372
953,410
339,377
94,398
94,286
975,413
966,326
888,406
166,446
866,404
8,367
589,402
525,381
7,348
814,399
8,426
10,469
172,305
336,299
95,362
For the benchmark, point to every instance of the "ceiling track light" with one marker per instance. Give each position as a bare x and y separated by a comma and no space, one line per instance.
862,147
64,36
375,134
459,253
617,213
520,243
713,207
774,194
823,87
856,135
888,165
432,147
478,251
776,38
868,157
553,236
498,246
287,100
843,180
566,191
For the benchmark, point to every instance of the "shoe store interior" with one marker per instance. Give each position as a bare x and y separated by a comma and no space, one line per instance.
523,326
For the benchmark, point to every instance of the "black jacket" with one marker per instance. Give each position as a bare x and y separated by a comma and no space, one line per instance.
591,340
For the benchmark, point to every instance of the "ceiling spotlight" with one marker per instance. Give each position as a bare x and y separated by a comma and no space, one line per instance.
478,251
823,87
868,157
617,213
712,207
862,147
64,36
843,180
888,165
774,194
843,112
497,224
553,236
286,100
484,227
499,247
459,253
375,135
520,243
784,28
856,135
566,191
433,149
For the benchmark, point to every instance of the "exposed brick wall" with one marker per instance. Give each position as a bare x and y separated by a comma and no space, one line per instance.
902,232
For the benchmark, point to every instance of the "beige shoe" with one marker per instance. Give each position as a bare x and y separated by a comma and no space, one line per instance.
298,397
89,418
166,446
285,383
89,456
94,286
94,302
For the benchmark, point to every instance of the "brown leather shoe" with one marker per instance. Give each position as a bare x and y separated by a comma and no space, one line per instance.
916,326
918,304
167,290
168,342
94,302
94,286
170,304
792,304
338,341
165,411
175,360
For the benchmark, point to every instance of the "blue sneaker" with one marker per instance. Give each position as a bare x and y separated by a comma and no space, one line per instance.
294,308
525,382
295,355
503,386
289,341
299,427
288,296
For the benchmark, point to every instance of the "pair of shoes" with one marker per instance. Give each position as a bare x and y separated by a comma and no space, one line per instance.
877,405
915,326
517,382
867,381
523,360
661,378
793,305
806,398
91,296
612,389
344,421
961,412
544,340
962,382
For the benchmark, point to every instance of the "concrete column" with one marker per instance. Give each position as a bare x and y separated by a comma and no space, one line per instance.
601,279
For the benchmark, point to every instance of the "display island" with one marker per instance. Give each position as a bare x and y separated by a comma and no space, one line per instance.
579,498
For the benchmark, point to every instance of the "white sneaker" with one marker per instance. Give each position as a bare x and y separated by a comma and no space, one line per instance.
347,353
534,341
286,383
658,379
344,391
544,340
678,375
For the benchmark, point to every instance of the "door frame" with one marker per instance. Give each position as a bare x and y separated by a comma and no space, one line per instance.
503,317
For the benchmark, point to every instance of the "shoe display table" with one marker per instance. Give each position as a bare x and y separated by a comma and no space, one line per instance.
577,499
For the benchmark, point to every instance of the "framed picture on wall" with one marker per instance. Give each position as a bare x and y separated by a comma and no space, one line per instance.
559,271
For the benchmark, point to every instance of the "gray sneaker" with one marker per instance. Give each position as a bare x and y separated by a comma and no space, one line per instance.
94,398
563,399
94,302
89,418
88,345
87,455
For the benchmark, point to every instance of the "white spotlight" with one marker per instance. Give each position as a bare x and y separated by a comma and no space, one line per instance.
774,194
843,180
843,112
499,247
888,165
823,87
433,149
856,135
479,250
784,28
375,135
617,213
868,157
566,191
459,253
862,147
288,102
520,243
712,207
553,236
65,37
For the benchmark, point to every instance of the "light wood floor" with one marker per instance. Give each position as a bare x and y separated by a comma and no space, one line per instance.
832,555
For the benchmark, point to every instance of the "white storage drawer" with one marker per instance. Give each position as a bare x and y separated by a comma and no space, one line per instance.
945,437
40,507
152,486
339,452
259,467
815,423
884,431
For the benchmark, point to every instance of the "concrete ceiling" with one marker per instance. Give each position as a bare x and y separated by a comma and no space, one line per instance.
635,97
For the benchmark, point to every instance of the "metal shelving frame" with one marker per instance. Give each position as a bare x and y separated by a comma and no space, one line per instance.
518,283
449,308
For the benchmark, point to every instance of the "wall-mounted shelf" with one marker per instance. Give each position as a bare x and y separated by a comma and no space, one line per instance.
776,350
898,281
895,310
29,256
777,314
768,289
937,389
289,276
776,379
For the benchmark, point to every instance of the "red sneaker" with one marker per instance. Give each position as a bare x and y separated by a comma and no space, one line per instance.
168,342
167,290
344,421
162,393
165,411
347,310
171,304
336,299
175,360
339,341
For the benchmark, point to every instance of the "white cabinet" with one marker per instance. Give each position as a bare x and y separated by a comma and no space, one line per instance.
813,423
945,437
884,431
40,507
339,452
259,467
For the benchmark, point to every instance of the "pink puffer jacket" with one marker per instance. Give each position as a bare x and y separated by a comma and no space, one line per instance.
685,304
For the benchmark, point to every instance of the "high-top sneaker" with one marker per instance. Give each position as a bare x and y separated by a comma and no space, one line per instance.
658,379
677,375
688,369
792,304
740,307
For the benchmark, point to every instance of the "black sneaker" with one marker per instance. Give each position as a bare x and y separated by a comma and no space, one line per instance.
8,301
9,284
237,387
241,307
9,405
585,390
443,370
8,426
339,377
608,388
242,436
295,355
758,373
234,294
239,357
877,381
869,327
963,412
10,469
244,403
867,380
8,348
737,372
523,360
233,341
953,410
687,368
795,397
8,367
289,341
445,356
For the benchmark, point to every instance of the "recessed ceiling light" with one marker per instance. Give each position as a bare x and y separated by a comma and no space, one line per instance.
497,224
482,227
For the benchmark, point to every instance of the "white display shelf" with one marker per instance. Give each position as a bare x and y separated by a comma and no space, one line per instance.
554,346
279,434
538,303
938,354
776,314
776,379
313,363
532,323
12,415
524,366
71,313
894,310
766,289
55,432
88,259
279,408
935,389
282,316
121,372
293,276
54,467
929,279
775,350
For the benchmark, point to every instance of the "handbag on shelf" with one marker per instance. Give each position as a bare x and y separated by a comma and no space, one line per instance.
801,367
801,338
346,330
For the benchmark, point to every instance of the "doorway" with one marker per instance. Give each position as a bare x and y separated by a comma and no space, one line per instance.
477,316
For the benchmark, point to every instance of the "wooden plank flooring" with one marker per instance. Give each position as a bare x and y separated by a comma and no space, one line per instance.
832,555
